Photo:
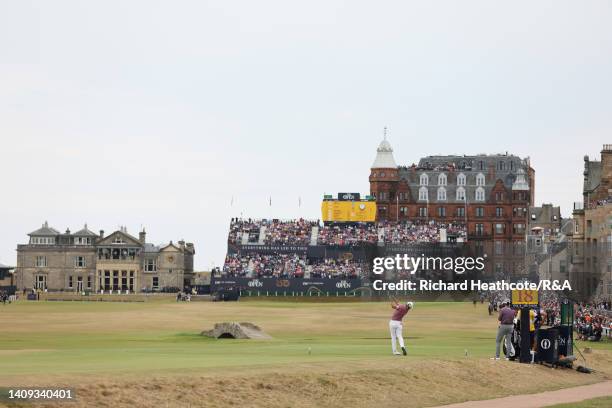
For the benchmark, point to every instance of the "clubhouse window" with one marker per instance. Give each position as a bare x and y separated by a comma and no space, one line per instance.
150,265
155,282
79,261
41,261
70,282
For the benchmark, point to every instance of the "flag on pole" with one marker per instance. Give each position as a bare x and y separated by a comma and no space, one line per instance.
299,201
270,201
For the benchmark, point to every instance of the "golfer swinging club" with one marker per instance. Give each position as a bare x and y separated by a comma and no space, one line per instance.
395,324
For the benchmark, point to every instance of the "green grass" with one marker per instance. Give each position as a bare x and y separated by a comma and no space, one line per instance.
347,344
72,337
602,402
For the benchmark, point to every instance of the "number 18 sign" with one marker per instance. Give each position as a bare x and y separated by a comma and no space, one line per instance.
525,297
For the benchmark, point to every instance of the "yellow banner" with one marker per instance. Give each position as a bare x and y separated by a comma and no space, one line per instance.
525,297
348,211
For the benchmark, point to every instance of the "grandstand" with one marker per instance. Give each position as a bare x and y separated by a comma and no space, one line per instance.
300,253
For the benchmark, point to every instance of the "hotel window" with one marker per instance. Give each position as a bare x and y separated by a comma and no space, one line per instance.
460,212
460,194
424,180
479,212
501,165
479,194
441,211
480,179
500,228
79,261
479,229
480,165
461,179
423,195
442,179
404,211
422,211
519,228
150,265
441,194
499,247
499,212
41,261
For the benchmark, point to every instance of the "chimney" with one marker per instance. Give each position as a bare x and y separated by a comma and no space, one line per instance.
182,244
101,233
142,236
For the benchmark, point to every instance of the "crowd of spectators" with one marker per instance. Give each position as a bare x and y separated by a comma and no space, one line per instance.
597,203
298,232
239,226
348,234
264,265
295,232
408,232
336,268
592,321
289,266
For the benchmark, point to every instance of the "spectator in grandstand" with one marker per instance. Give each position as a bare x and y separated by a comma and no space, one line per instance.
348,234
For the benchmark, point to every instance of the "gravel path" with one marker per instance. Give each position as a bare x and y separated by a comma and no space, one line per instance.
542,399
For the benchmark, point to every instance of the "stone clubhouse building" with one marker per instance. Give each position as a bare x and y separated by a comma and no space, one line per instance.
84,261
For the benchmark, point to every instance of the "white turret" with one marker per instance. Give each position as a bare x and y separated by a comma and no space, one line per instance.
520,184
384,155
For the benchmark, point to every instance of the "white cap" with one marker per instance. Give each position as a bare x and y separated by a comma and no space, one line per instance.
410,305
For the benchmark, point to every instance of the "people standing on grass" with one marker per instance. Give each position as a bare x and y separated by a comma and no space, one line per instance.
506,325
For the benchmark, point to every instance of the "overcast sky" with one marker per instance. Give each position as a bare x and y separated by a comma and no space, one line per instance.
156,114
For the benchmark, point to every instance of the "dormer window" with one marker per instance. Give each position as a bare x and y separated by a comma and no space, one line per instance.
118,240
460,195
442,179
423,195
479,194
461,179
480,179
424,180
441,194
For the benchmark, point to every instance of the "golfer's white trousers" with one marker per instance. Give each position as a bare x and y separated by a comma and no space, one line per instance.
395,328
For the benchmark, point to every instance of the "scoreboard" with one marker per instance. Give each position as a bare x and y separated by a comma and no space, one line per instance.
348,211
525,297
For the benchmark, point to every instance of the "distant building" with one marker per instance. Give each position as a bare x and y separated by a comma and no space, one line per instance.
545,219
592,234
86,261
6,276
490,193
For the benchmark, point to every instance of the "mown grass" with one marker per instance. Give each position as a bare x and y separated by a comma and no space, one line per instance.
84,343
